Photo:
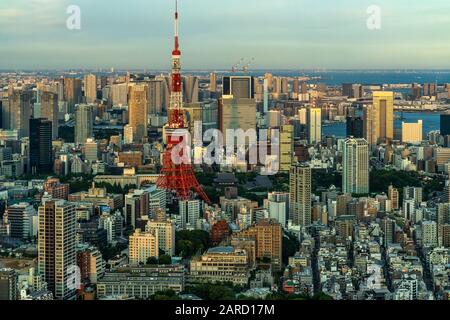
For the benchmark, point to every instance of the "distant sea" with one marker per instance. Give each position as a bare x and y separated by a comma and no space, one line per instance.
337,78
431,122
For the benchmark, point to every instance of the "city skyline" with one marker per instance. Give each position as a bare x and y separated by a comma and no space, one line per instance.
285,34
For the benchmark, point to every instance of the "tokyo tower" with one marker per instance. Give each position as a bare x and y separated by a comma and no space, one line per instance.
178,178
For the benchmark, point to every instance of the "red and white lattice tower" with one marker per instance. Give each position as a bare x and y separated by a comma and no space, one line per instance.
178,178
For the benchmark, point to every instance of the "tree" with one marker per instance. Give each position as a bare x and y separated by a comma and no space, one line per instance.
165,259
152,261
190,242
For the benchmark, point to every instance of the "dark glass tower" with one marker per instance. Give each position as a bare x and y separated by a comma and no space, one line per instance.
40,146
355,127
445,124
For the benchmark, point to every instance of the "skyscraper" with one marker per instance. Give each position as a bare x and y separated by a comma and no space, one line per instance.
84,123
286,147
300,194
49,110
191,89
394,197
445,124
314,125
8,285
237,108
73,93
41,158
19,217
355,127
212,82
90,88
137,109
56,247
156,97
355,176
20,112
383,102
370,125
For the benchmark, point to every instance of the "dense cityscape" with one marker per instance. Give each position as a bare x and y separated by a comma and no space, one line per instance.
272,203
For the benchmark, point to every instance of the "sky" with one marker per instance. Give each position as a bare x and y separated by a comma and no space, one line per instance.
216,34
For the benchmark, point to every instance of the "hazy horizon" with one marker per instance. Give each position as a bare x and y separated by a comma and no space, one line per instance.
279,35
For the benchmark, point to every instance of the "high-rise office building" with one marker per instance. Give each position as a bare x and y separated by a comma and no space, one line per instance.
429,89
383,102
73,93
412,132
355,176
91,150
300,195
49,110
238,87
413,193
189,213
370,125
156,97
355,127
41,157
388,227
314,125
190,89
394,197
445,124
286,147
137,111
90,88
20,112
416,91
237,108
353,91
8,285
20,216
212,82
84,123
278,205
57,259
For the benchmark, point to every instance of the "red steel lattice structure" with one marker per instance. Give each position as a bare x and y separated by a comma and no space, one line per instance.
178,178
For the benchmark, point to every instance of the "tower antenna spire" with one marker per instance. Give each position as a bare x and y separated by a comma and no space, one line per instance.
177,46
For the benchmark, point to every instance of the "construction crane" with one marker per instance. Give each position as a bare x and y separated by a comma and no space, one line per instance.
236,67
248,65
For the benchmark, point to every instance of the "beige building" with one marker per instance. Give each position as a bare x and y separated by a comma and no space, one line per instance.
300,195
84,123
442,156
383,102
56,246
143,245
286,147
268,235
166,234
412,132
221,264
49,110
90,88
370,125
314,125
355,176
137,111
